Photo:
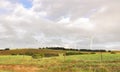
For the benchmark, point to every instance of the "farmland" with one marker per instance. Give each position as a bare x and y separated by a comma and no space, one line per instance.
81,62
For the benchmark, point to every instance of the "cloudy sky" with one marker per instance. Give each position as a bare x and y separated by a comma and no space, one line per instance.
68,23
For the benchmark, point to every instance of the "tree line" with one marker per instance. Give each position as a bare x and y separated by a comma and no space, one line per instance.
72,49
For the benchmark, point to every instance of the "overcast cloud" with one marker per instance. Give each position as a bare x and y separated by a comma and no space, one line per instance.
68,23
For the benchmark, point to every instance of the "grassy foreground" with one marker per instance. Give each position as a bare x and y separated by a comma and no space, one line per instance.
73,63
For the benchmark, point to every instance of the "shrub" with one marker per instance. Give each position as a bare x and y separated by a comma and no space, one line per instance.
13,54
21,54
50,54
73,53
37,56
109,50
7,49
92,53
29,53
113,53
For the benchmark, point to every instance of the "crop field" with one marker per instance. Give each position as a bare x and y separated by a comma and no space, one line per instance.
72,63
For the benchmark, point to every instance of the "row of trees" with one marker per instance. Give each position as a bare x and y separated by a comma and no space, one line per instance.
71,49
5,49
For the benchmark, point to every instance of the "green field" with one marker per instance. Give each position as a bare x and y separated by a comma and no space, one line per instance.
72,63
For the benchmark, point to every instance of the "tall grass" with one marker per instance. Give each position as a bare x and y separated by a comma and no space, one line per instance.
73,63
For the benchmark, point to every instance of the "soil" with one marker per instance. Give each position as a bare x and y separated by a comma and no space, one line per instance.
19,68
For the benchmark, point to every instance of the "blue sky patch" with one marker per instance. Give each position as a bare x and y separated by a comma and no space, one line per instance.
26,3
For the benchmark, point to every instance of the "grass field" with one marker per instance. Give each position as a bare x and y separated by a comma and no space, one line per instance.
72,63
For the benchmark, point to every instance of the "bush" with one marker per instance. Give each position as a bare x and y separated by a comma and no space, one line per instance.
50,55
92,53
109,50
7,49
29,53
73,53
113,53
37,56
20,54
13,54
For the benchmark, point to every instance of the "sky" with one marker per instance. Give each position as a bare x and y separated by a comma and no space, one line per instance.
64,23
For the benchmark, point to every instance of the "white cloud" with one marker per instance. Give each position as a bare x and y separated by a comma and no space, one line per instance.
64,20
83,23
2,29
56,22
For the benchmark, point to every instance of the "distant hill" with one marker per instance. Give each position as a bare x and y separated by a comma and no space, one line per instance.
30,51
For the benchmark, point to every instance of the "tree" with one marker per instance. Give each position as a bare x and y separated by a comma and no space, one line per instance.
7,48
